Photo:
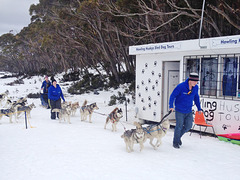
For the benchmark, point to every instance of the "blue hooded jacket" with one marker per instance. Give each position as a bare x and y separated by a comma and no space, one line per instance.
182,100
55,93
45,86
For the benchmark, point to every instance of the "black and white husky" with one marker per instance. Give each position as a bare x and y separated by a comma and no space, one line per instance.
22,109
87,110
8,103
3,96
7,112
114,118
20,102
134,136
64,112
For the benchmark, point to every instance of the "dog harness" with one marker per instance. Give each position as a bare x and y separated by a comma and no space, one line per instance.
131,132
88,108
113,118
149,131
6,111
128,133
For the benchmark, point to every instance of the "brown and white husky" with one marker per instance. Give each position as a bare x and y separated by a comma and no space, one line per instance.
157,131
114,118
74,107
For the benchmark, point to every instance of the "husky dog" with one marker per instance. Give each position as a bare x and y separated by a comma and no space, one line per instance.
15,104
64,113
156,131
134,136
114,117
74,107
21,109
3,95
7,112
8,103
20,102
86,110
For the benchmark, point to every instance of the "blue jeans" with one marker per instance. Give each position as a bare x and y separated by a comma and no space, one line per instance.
183,124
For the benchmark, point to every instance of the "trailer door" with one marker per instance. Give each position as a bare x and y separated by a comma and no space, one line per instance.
170,81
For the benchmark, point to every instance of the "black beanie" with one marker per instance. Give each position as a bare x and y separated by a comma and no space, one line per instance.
193,77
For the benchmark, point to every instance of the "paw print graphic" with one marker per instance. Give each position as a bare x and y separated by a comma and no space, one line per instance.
155,63
154,113
224,126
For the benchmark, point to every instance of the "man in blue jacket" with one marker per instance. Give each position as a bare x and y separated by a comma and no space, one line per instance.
54,94
45,85
183,96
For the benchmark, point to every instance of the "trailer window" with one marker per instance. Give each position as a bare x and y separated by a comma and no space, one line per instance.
209,73
239,80
192,65
229,76
219,74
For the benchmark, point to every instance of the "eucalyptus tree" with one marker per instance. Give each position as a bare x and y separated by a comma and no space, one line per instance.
72,34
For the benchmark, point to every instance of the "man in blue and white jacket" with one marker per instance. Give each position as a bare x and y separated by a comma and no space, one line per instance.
54,94
182,97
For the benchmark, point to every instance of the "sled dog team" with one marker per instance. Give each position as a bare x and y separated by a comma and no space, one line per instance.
15,108
139,135
69,109
131,137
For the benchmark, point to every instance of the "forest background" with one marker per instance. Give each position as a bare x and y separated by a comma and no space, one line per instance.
83,34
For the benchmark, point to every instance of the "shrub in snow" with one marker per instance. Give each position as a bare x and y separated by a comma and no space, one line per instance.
18,81
34,95
88,83
121,98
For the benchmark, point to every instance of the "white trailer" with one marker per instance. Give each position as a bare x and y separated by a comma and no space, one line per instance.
160,67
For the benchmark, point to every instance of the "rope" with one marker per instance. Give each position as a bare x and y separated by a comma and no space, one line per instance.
123,126
12,112
101,113
169,112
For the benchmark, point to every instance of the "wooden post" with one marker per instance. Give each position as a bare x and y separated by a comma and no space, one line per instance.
126,108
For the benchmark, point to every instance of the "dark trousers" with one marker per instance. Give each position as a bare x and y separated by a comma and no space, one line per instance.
53,105
45,98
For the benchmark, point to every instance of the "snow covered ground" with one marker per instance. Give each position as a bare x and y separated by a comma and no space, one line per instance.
50,150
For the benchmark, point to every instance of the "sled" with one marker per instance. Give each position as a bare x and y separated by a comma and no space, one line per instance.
43,102
233,138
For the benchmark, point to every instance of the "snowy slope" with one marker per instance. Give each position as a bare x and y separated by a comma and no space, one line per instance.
57,151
